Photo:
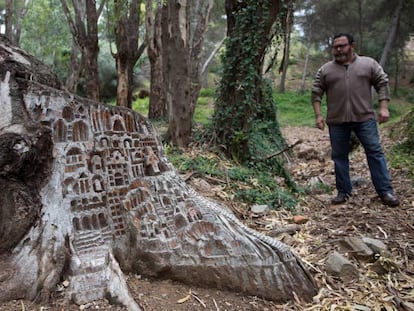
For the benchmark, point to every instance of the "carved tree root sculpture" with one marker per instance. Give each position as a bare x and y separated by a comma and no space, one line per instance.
95,197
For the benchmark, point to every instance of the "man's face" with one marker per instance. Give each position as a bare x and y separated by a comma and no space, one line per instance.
342,50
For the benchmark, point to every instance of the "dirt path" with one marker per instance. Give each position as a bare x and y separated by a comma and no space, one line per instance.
362,216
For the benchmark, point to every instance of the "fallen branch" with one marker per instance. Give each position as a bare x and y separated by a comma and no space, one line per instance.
281,151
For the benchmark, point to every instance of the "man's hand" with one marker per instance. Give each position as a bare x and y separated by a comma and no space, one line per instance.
383,115
320,122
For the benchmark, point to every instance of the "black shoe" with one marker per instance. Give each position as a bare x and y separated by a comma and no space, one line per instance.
390,200
340,198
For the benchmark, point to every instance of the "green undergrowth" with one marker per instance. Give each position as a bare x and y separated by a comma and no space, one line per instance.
402,153
245,184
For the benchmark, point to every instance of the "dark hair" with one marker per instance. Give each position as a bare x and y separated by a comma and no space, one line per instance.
342,34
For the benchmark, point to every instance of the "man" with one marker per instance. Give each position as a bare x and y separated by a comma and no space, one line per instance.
347,81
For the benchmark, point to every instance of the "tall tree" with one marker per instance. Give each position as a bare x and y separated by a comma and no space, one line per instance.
15,12
128,51
175,27
157,100
8,20
287,24
199,14
245,121
84,28
183,26
392,32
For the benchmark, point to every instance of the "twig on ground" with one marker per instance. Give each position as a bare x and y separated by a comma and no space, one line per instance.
198,299
281,151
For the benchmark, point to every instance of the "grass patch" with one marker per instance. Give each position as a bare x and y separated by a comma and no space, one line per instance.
247,185
295,109
401,157
205,106
141,105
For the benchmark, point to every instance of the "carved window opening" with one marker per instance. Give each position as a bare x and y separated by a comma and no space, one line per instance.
60,131
127,143
129,123
86,223
96,163
97,185
102,220
81,110
84,183
104,143
107,120
119,180
76,224
68,185
67,114
95,222
180,222
80,131
118,126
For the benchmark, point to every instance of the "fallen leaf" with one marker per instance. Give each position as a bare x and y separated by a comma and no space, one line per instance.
182,300
186,298
300,220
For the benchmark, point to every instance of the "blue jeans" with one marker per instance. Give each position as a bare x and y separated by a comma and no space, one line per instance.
367,133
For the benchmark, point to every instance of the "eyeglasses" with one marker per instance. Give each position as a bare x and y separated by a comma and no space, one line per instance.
339,46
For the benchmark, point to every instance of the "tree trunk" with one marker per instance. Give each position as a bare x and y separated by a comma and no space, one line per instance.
9,20
305,70
199,14
287,25
245,101
177,72
183,30
87,191
157,100
84,29
128,51
75,68
391,33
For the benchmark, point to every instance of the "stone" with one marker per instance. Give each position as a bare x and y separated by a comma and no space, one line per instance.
339,266
357,249
259,209
377,246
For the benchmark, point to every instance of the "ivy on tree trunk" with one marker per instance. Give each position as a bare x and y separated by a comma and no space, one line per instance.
245,118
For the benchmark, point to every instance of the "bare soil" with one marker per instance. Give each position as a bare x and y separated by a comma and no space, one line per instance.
389,288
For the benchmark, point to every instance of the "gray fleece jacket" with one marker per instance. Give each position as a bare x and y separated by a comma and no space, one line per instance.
348,89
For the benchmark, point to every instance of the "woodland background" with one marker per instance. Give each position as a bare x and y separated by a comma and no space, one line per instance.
190,66
128,53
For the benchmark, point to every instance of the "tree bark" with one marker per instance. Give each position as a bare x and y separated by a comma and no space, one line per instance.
175,36
75,68
199,15
87,194
9,20
305,70
244,99
183,30
128,49
392,32
84,29
157,100
287,25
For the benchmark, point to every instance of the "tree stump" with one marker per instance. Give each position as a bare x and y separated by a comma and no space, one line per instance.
88,194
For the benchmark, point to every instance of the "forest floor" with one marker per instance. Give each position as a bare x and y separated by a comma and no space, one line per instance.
363,216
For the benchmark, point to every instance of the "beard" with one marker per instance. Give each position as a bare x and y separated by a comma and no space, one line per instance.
341,57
